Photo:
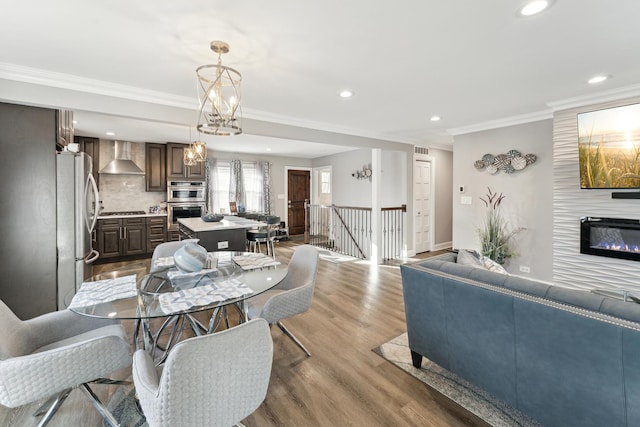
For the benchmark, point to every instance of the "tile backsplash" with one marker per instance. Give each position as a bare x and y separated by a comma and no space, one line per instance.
126,192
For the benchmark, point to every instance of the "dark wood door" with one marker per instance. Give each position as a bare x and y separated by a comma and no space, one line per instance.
299,189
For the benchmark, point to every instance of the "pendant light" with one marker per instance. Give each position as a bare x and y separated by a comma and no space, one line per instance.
219,94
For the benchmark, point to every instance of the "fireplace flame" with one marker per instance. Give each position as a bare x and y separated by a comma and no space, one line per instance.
618,247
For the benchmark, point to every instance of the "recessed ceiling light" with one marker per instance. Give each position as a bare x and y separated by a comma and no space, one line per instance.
346,94
597,79
268,149
435,118
110,133
534,7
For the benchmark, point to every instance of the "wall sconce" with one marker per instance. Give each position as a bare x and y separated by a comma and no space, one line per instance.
365,173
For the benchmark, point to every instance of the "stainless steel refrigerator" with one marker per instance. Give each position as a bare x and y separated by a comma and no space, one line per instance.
77,214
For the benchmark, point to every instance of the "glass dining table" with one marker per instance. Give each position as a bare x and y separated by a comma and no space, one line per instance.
228,280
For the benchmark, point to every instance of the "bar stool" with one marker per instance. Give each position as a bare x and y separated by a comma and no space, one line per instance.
264,235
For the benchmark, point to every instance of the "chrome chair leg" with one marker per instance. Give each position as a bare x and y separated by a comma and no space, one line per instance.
51,407
108,417
295,340
110,381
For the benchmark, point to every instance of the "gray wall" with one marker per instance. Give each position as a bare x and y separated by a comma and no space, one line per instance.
571,268
347,190
529,192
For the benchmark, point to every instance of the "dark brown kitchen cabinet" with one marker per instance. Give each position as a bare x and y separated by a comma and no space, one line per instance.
176,167
122,237
173,235
156,167
91,146
156,232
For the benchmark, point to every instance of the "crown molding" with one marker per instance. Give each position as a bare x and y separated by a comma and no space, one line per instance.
441,147
507,121
596,98
98,87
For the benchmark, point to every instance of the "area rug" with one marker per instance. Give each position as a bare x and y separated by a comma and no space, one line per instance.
335,257
463,393
124,408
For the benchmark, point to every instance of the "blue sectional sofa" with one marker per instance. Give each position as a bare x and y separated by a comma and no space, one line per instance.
564,357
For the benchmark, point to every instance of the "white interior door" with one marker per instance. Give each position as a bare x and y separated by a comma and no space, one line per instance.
422,204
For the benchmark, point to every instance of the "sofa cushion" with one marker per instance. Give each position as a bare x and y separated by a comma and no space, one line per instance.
531,287
575,297
469,257
489,277
622,309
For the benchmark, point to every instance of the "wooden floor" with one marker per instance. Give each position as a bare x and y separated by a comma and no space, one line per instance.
356,307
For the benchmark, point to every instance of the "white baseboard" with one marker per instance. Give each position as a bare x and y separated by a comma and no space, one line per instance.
441,246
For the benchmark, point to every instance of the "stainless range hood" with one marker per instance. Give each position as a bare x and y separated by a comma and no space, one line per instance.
122,163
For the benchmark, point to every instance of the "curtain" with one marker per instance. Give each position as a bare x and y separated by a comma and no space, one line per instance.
208,197
265,172
236,184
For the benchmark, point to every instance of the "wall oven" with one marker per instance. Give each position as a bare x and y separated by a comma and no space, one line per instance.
175,211
186,191
185,199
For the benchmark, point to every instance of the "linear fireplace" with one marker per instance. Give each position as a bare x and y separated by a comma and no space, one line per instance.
610,237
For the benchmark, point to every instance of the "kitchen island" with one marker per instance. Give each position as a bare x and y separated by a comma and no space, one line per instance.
229,234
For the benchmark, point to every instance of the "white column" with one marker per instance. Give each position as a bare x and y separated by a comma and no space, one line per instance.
376,188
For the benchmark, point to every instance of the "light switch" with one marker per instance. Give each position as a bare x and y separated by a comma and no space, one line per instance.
465,200
280,196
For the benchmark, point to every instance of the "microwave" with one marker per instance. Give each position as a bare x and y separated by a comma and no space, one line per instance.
186,191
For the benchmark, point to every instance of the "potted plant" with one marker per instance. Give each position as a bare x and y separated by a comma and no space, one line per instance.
495,233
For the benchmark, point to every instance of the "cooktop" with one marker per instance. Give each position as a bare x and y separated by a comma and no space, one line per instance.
122,213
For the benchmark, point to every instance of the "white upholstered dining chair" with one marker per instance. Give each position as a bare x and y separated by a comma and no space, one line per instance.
49,355
211,380
164,250
290,297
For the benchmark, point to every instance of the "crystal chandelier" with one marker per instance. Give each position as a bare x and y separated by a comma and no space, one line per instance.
219,94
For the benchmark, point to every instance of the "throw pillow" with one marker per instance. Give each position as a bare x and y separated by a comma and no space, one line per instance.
491,265
469,257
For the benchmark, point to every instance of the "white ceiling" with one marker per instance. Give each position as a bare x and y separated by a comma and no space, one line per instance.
471,62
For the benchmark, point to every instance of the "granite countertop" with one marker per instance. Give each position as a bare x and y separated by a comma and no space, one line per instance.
228,223
132,216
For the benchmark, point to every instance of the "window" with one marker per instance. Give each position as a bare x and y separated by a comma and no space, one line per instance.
325,182
221,180
252,186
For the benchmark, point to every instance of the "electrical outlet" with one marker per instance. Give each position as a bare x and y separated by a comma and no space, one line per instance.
525,269
223,245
